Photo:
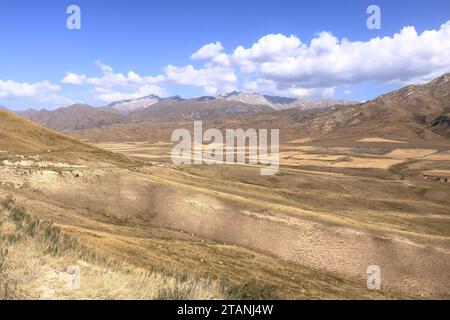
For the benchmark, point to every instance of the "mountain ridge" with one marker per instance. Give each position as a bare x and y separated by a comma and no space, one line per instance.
413,113
82,116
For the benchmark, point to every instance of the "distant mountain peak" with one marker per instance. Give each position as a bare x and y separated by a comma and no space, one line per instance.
176,97
126,106
205,98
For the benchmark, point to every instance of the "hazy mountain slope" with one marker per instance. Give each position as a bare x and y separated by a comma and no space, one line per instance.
154,108
74,117
170,110
282,103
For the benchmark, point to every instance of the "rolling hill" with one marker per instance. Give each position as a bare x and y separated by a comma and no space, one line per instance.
22,138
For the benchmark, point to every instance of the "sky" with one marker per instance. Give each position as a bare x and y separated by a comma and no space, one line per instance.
303,49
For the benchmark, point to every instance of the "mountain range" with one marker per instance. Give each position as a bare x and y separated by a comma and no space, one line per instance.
414,113
154,108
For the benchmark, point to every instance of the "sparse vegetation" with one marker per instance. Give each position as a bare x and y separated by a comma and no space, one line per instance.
30,249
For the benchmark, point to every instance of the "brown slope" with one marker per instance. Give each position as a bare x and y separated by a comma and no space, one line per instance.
415,113
22,137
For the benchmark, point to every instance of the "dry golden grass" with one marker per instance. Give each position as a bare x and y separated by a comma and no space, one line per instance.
35,258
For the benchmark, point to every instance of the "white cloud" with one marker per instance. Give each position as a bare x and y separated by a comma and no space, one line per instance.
39,91
208,51
222,59
213,79
105,68
327,61
271,87
116,86
111,79
275,64
268,48
73,78
109,95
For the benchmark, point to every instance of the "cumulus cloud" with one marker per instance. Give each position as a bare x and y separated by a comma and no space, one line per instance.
73,78
213,79
289,90
222,59
208,51
280,64
109,95
327,61
111,79
39,91
272,47
111,86
275,64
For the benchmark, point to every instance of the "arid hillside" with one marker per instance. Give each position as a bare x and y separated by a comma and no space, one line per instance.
20,137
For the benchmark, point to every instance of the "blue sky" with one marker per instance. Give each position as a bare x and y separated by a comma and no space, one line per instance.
155,40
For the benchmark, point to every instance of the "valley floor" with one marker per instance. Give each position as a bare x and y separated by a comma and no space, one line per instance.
309,232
